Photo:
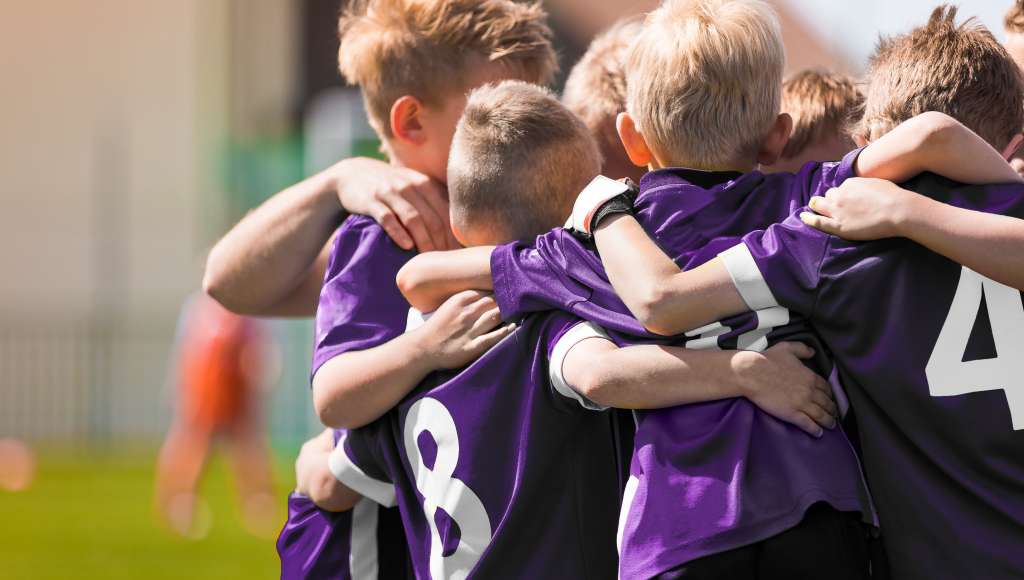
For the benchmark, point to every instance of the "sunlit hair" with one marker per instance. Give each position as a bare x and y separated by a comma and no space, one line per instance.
704,79
391,48
960,70
823,104
596,87
1014,20
518,160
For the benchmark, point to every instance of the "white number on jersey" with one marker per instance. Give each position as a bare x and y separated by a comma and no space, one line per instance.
946,373
706,337
440,489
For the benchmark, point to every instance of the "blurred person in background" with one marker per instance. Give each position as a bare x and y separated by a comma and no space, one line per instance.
220,368
595,90
822,104
1013,24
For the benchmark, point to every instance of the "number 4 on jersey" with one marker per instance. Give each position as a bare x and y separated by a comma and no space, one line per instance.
946,372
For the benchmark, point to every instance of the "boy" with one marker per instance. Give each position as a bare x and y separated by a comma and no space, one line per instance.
403,54
926,355
521,462
695,214
596,91
822,105
220,379
530,486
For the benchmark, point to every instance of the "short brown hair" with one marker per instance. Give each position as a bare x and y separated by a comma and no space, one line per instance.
518,160
596,87
705,79
820,102
1014,20
957,70
392,48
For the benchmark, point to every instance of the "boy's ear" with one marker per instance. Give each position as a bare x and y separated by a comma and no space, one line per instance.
406,124
775,141
632,141
1011,149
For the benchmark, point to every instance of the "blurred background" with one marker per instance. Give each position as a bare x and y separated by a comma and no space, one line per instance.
133,133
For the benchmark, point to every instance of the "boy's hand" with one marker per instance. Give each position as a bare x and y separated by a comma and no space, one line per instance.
462,329
862,209
783,387
411,207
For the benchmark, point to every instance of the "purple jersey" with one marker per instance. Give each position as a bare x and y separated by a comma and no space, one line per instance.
496,472
366,542
931,355
360,306
713,476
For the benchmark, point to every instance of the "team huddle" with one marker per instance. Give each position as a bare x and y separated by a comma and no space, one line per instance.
679,323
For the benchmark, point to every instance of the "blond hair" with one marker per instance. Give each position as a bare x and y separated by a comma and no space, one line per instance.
1014,20
822,103
961,71
518,160
704,79
392,48
596,87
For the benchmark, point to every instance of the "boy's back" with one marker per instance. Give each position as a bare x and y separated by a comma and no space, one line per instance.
714,476
934,372
492,465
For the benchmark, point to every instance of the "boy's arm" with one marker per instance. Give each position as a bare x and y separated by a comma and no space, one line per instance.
313,477
272,262
356,387
936,143
651,376
430,278
665,299
668,301
871,209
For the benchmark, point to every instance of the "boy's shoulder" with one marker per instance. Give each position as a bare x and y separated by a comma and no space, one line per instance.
360,239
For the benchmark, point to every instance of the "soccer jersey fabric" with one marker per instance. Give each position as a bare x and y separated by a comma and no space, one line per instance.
931,355
714,476
366,542
497,474
360,305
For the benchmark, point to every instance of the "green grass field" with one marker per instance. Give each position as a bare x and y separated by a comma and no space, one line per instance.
88,515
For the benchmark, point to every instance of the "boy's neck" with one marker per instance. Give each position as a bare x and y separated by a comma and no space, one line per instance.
737,166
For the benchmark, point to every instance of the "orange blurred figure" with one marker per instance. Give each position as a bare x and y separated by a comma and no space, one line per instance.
220,366
17,465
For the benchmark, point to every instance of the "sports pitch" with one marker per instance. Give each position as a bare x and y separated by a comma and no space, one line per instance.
89,515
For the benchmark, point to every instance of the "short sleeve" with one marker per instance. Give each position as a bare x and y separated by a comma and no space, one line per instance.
779,266
360,305
565,343
558,272
538,277
355,463
834,174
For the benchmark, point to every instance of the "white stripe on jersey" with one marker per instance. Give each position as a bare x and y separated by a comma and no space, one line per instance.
571,338
747,278
349,473
627,503
362,554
